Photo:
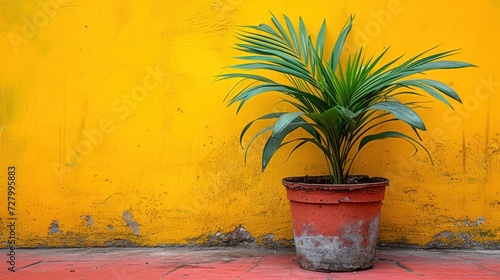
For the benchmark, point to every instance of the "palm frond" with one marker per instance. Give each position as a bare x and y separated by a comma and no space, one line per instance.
336,104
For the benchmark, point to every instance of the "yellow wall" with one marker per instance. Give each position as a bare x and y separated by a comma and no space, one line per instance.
118,135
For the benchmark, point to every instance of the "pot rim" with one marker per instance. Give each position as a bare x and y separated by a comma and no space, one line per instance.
297,183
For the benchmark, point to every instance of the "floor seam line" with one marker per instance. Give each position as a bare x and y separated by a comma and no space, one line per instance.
32,264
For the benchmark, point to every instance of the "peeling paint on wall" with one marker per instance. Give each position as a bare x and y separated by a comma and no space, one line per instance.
90,222
127,217
54,228
239,236
119,243
467,234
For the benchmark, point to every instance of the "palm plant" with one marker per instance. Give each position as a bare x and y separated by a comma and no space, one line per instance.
338,105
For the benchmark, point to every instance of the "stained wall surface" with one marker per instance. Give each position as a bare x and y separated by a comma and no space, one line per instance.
118,134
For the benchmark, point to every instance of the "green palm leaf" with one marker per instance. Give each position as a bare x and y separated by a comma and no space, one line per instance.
400,111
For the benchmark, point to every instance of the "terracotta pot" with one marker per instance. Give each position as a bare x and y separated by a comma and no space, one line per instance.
335,226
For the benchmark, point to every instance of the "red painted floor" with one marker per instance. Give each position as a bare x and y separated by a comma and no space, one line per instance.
239,263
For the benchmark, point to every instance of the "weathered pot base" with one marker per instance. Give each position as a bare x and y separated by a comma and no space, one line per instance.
339,253
333,267
335,229
352,249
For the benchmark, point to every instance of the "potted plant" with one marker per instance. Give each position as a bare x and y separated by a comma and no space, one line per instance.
339,105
